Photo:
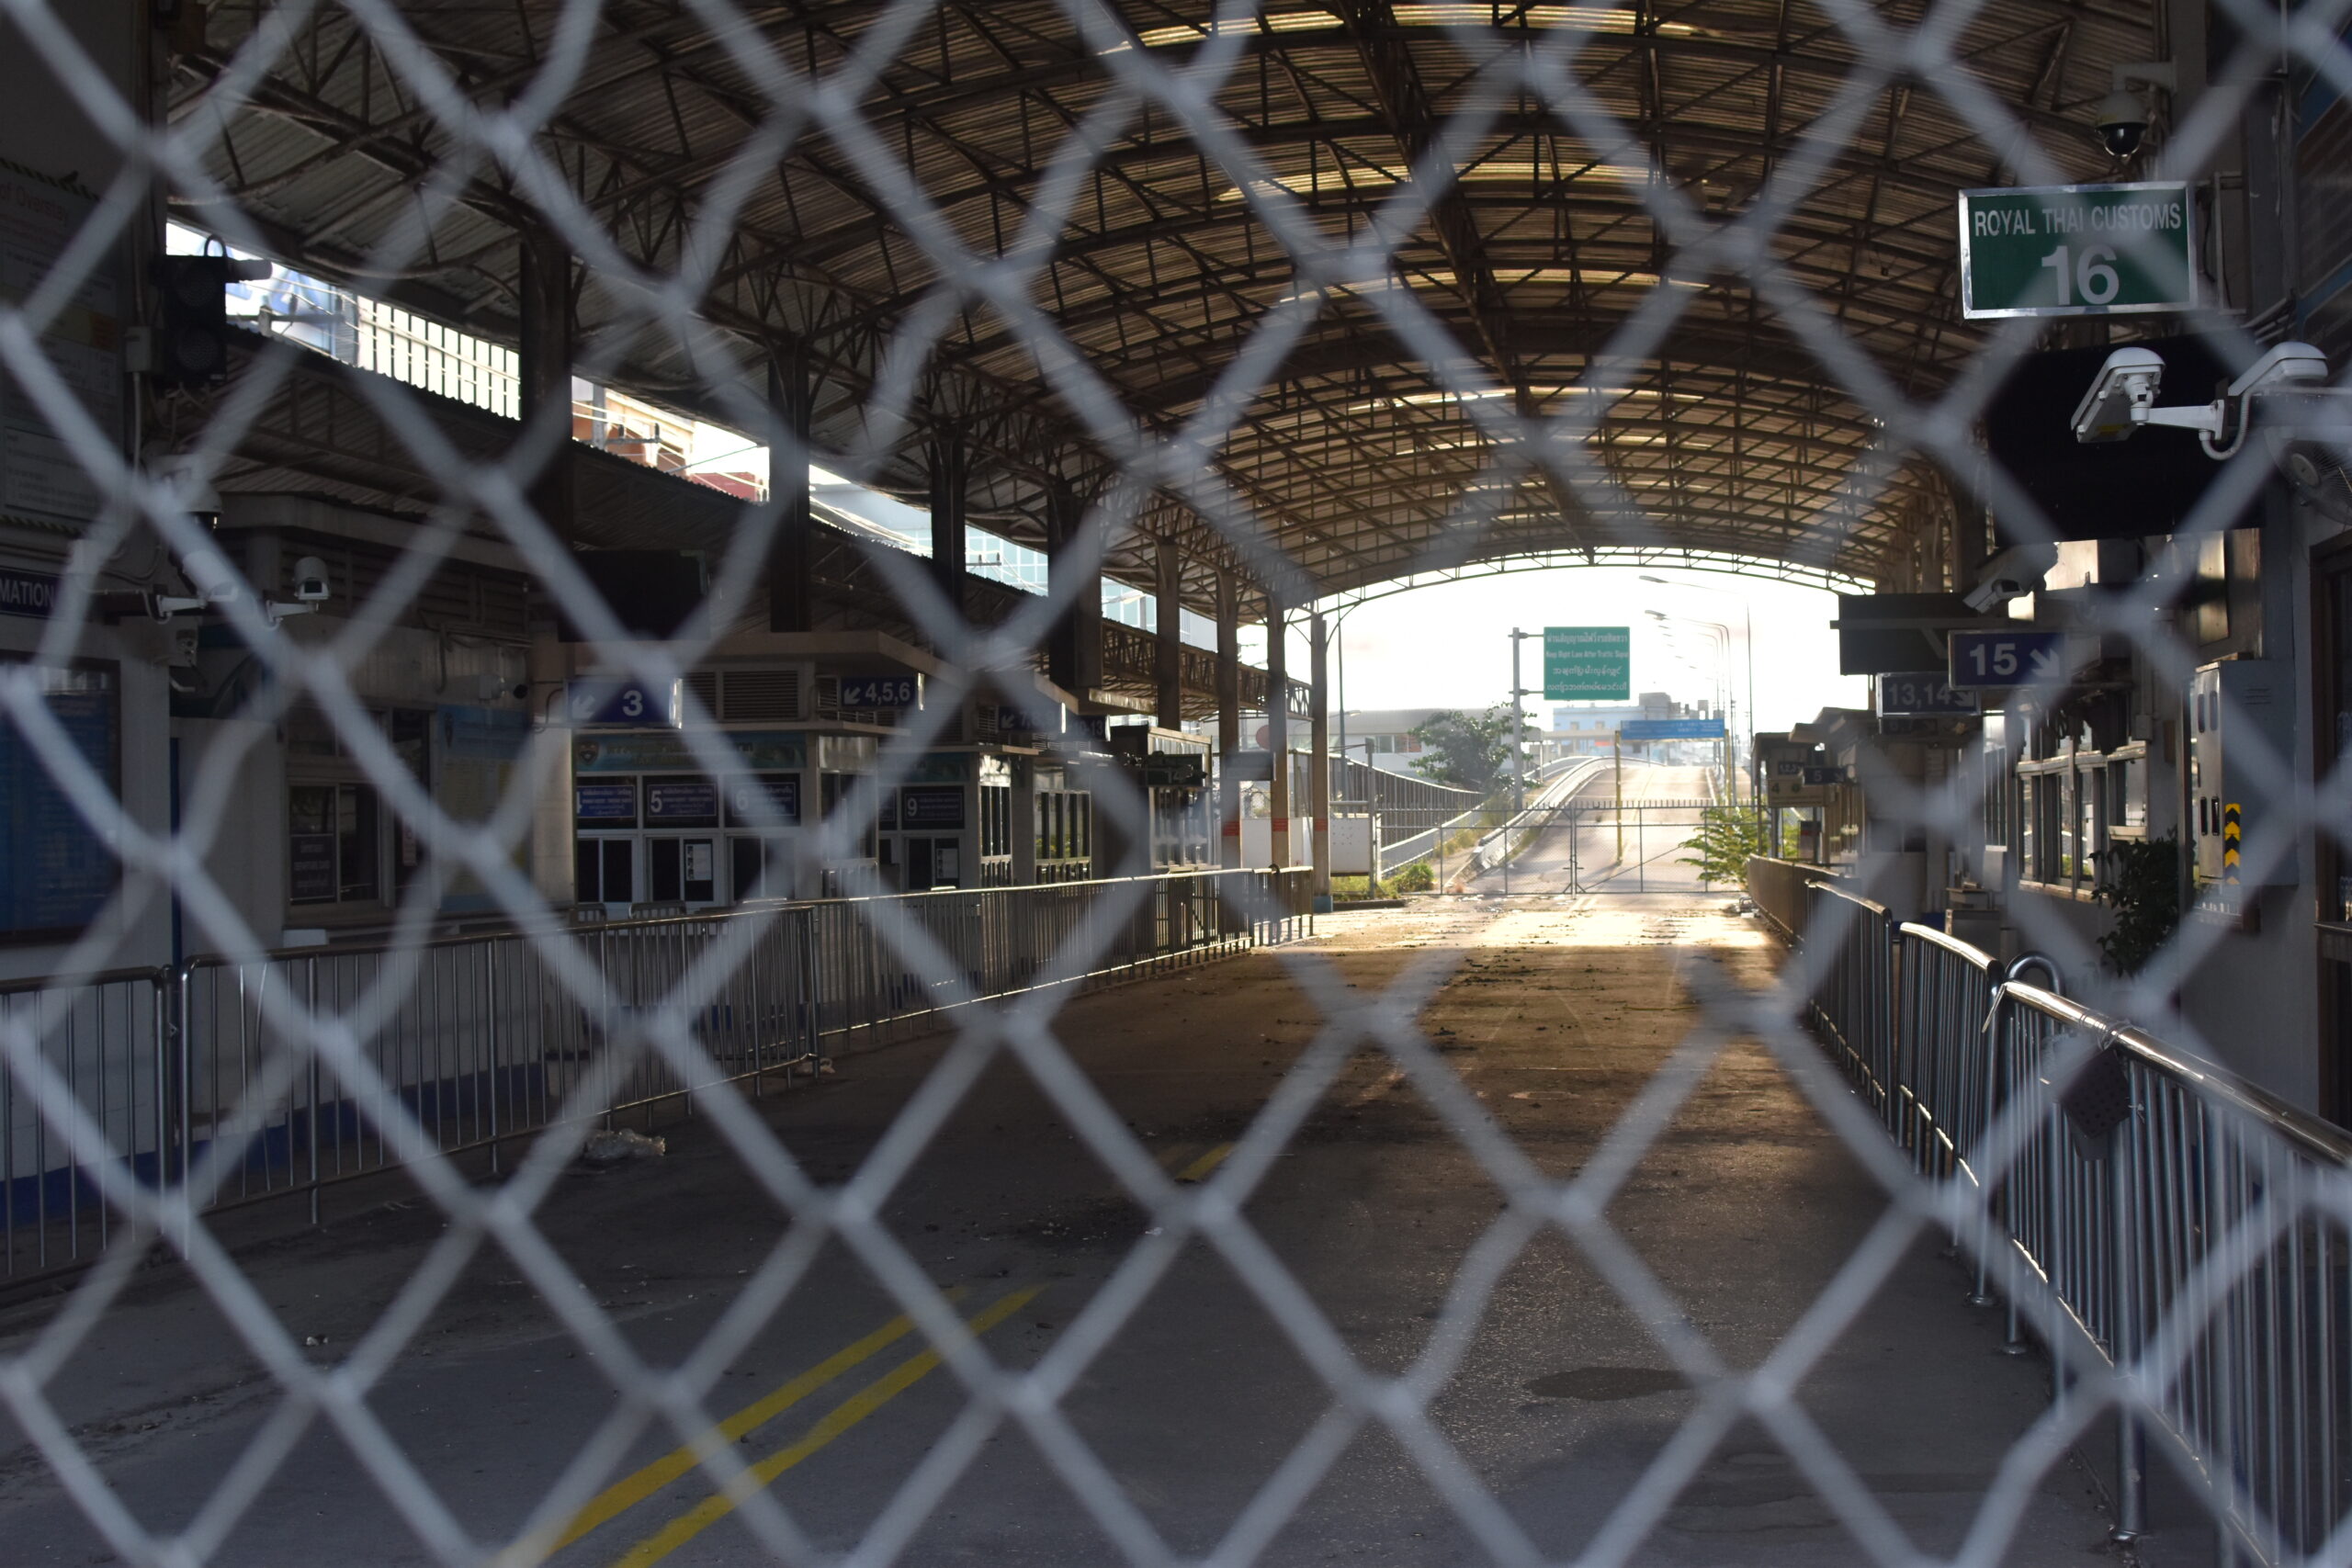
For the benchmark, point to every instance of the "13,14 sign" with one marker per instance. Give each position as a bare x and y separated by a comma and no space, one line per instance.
1588,663
2078,250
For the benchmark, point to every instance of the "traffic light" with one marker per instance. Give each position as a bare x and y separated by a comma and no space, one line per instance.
191,337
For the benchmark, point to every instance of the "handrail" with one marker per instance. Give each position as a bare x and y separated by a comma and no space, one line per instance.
2321,1139
2318,1138
555,924
29,984
1976,956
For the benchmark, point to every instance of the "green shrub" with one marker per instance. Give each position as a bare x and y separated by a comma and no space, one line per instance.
1418,877
2140,880
1728,836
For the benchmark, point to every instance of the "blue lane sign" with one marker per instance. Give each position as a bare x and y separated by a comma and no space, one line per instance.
27,594
878,691
635,705
1922,692
1671,729
931,805
681,802
2006,658
606,802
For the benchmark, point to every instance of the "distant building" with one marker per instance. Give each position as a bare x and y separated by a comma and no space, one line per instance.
1581,728
1385,737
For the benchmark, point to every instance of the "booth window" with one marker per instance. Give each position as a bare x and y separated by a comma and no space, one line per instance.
334,850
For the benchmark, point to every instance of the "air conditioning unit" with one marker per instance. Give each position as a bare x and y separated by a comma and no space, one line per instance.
764,696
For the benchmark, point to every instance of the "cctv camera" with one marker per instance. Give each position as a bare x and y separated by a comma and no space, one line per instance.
209,574
310,581
2120,396
1995,590
2122,122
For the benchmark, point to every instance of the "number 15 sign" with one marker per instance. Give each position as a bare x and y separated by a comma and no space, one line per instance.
1980,660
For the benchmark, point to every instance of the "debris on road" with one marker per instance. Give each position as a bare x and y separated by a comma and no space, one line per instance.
604,1150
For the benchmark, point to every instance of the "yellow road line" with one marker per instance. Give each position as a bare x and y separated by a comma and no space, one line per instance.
1199,1169
840,1419
629,1491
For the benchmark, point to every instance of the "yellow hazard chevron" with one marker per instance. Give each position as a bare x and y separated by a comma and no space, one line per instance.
2233,832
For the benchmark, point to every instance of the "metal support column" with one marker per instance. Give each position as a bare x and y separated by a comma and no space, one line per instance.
1277,733
1074,575
950,485
1228,719
791,607
1318,761
544,368
1167,645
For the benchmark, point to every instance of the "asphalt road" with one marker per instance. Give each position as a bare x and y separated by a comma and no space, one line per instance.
1589,845
1557,1014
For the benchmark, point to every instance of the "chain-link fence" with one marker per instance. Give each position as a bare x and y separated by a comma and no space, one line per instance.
528,515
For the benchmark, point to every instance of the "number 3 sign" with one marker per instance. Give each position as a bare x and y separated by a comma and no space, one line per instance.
609,700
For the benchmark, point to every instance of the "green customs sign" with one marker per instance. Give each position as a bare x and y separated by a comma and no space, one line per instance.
2078,250
1588,664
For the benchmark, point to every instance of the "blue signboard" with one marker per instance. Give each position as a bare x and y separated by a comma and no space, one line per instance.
2006,658
1671,729
605,803
681,802
878,691
1921,693
634,704
27,592
782,792
930,807
55,872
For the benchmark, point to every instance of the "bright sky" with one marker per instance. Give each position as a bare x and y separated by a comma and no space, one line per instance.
1448,646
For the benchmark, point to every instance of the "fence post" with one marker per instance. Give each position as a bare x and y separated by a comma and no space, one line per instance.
2131,1438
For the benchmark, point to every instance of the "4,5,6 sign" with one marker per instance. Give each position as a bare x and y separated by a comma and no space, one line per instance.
878,691
2078,250
1980,660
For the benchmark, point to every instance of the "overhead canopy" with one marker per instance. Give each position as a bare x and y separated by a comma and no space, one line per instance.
1082,236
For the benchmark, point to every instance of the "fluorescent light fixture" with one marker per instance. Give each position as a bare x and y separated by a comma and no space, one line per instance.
1592,19
1376,176
1277,22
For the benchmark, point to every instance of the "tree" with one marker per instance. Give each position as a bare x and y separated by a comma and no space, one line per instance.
1728,837
1468,750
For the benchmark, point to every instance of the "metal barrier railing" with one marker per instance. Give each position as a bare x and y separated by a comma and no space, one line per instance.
1780,890
2176,1235
204,1076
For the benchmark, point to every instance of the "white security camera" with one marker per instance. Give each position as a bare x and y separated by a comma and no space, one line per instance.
2122,122
2120,396
310,581
214,580
1995,590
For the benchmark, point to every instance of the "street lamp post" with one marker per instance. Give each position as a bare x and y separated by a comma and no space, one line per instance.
1517,753
1720,635
1747,638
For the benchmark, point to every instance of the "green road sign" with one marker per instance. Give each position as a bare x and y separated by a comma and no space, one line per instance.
1588,664
2078,250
